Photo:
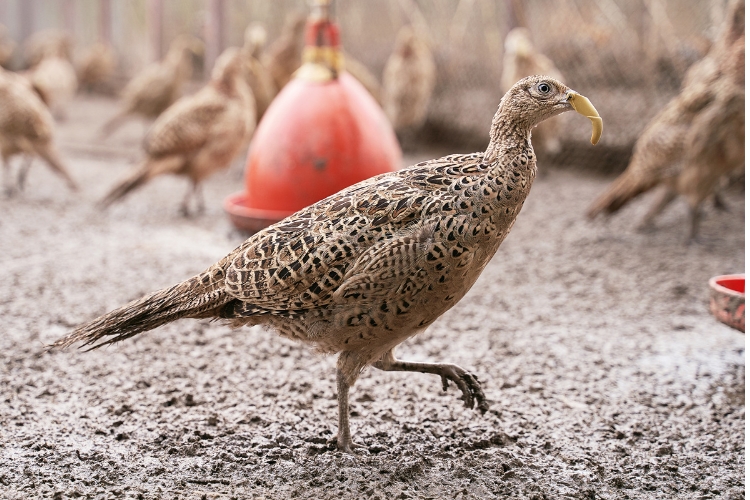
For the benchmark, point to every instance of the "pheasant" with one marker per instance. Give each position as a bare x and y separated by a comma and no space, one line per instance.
96,66
200,134
408,82
158,85
259,79
42,42
284,56
7,47
26,127
54,78
364,269
672,152
522,59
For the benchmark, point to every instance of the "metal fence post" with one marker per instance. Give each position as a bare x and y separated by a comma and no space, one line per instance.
215,26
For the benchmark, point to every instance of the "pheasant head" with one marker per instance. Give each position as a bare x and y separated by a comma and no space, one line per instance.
534,99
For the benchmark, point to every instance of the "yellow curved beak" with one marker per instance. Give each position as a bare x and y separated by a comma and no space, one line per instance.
583,106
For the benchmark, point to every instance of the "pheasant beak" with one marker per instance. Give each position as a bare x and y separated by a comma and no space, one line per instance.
584,107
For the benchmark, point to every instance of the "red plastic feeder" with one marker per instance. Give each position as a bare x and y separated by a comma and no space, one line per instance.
727,300
322,133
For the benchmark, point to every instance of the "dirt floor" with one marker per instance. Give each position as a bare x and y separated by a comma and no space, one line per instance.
606,374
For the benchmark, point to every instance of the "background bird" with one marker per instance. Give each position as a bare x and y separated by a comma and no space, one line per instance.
26,128
408,82
200,134
54,78
96,66
521,59
258,77
158,85
363,75
672,152
41,43
284,55
7,47
363,270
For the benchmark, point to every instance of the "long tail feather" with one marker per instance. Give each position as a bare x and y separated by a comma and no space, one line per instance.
113,124
193,298
146,171
620,192
50,155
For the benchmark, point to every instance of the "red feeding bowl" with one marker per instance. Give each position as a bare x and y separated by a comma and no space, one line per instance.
727,299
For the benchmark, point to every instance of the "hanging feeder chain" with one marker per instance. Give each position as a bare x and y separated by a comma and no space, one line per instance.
322,59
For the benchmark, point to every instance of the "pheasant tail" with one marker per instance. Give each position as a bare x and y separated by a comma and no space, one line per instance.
198,297
623,189
140,175
49,154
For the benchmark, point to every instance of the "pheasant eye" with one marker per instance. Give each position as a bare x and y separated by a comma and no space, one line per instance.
544,88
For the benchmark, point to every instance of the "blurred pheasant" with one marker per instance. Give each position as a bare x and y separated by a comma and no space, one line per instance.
284,56
158,85
54,78
364,269
200,134
258,77
26,127
41,43
7,47
522,59
363,75
673,151
96,67
408,82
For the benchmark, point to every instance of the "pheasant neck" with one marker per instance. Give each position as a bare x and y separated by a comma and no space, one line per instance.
507,136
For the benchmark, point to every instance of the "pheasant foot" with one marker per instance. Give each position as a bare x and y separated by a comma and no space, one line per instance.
468,383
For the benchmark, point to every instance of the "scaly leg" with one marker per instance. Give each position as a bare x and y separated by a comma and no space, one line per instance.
344,439
466,382
695,219
8,186
667,196
200,203
23,172
185,206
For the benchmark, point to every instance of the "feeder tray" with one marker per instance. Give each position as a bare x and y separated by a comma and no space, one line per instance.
727,300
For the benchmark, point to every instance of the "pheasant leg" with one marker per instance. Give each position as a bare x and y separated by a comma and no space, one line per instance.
23,172
695,219
466,382
344,439
661,203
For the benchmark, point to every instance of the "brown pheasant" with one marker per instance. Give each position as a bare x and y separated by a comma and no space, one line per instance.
200,134
7,47
408,82
672,151
284,55
158,85
42,42
364,269
54,78
258,77
522,59
96,66
26,127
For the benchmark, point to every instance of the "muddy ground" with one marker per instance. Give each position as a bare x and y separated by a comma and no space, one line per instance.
607,376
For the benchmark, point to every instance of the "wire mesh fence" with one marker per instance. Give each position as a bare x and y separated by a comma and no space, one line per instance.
627,56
